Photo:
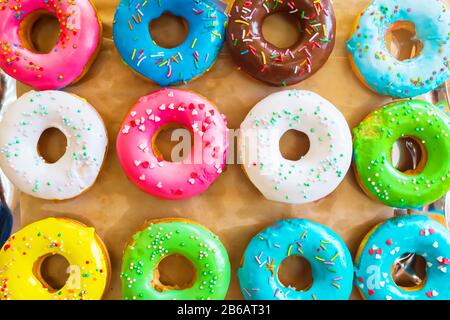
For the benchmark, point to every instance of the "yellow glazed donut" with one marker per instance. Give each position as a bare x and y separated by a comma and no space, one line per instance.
22,255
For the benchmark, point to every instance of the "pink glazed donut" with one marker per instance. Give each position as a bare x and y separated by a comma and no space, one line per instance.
142,162
77,46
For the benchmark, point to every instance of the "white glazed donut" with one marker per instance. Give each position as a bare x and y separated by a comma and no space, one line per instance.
20,129
317,173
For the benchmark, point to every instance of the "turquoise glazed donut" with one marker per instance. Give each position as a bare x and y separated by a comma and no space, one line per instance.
330,260
408,78
176,65
389,241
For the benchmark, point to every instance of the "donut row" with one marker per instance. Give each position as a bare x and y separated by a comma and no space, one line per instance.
313,177
210,25
332,268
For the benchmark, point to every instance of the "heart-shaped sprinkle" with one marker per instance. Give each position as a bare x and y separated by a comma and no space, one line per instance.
435,244
191,181
371,292
126,129
142,128
159,185
142,178
133,113
389,242
137,163
149,111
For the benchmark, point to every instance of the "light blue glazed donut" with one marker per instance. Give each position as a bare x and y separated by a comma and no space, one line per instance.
330,260
389,241
408,78
175,65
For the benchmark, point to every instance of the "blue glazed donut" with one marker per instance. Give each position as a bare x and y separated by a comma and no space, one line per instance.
330,260
408,78
389,241
176,65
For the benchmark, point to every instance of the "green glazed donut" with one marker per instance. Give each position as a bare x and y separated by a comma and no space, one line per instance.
166,237
373,142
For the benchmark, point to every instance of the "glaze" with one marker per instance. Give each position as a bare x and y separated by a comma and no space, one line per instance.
330,260
169,66
162,238
80,245
20,129
317,173
147,169
374,138
389,241
266,62
408,78
78,42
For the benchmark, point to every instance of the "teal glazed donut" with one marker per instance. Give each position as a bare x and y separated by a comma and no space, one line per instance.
389,241
181,64
408,78
330,260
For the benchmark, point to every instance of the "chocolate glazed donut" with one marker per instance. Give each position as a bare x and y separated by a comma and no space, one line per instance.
273,65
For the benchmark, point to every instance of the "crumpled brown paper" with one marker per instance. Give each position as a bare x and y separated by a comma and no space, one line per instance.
232,207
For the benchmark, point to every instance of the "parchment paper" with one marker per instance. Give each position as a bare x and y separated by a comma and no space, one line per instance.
232,207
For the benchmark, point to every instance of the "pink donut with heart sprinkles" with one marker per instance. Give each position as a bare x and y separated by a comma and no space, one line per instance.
143,163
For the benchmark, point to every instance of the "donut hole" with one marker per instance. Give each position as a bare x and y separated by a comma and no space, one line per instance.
52,145
52,271
174,272
39,31
169,31
295,272
401,41
408,155
409,271
281,29
173,143
294,145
